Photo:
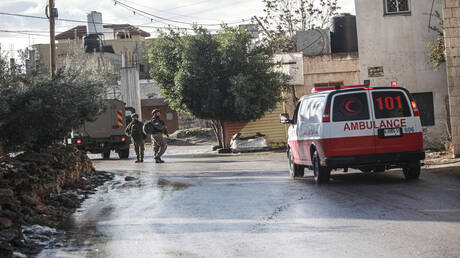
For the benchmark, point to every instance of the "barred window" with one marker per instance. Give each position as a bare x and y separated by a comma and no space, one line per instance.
397,6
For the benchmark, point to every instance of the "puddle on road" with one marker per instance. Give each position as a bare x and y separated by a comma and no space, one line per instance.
176,186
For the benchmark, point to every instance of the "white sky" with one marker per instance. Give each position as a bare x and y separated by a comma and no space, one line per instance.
32,31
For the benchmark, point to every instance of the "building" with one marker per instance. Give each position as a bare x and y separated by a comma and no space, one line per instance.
151,98
127,43
393,38
451,14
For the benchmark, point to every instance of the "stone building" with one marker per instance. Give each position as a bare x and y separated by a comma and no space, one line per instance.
451,12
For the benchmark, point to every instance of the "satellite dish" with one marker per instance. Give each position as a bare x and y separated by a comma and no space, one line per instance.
313,42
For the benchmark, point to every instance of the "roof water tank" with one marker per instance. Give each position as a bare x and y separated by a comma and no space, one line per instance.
95,23
344,35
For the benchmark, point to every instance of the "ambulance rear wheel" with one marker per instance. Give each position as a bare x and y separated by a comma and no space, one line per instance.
294,169
321,173
412,171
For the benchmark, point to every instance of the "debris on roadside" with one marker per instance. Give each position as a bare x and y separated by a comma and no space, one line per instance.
257,142
192,136
37,191
439,158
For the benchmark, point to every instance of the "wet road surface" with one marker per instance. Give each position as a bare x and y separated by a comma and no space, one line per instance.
202,204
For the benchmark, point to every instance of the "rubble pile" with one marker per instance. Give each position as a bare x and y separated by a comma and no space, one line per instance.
42,189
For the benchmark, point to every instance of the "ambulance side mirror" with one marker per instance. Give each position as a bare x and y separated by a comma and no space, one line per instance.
284,119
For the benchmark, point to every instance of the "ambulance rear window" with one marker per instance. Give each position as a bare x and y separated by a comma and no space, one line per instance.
388,104
350,107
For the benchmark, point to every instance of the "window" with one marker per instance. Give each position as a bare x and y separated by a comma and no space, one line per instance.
350,107
425,106
169,116
388,104
296,112
311,111
397,6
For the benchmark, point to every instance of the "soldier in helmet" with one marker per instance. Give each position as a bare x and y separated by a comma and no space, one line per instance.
156,128
134,129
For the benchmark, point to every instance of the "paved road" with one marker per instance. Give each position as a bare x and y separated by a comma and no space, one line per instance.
199,204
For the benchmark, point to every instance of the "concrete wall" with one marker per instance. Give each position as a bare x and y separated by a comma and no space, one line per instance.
343,67
452,41
130,88
398,43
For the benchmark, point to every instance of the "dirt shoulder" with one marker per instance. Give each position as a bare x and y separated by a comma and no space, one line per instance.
38,190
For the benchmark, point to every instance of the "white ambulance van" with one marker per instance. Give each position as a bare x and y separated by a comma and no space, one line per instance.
367,128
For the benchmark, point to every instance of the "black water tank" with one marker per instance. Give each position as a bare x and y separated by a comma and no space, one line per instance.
92,43
344,37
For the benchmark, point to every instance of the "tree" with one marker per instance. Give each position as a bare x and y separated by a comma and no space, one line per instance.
37,111
215,77
284,17
437,48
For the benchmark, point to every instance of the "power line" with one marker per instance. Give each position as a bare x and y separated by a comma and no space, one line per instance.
175,8
23,33
84,22
150,18
163,18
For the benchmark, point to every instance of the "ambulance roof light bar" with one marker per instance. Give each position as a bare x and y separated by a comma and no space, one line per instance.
341,87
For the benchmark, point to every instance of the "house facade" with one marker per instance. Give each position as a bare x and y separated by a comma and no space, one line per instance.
393,38
126,41
451,14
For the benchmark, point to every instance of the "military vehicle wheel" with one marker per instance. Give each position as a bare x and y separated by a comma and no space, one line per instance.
123,153
321,173
106,154
294,169
412,171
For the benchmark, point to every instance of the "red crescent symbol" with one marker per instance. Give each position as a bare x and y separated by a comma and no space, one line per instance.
347,106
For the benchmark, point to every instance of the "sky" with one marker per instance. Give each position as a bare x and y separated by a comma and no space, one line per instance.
19,32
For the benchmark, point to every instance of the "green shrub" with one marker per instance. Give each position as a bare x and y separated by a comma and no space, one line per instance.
36,111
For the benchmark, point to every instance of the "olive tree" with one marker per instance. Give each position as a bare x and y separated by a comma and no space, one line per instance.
215,76
36,111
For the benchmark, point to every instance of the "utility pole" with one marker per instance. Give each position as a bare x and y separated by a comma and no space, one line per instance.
52,11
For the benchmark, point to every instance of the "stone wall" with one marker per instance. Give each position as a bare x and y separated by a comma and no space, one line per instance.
451,12
340,67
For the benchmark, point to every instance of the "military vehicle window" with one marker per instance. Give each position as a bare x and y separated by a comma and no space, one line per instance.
350,107
388,104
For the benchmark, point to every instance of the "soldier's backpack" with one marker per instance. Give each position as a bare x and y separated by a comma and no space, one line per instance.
149,128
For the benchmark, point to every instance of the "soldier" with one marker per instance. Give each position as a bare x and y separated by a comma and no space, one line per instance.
156,128
134,129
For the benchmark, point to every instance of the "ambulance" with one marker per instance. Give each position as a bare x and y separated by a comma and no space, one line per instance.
372,129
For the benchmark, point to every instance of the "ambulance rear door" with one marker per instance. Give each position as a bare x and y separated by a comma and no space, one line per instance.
350,131
396,128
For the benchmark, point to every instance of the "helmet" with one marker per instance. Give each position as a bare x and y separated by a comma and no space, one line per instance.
134,115
155,111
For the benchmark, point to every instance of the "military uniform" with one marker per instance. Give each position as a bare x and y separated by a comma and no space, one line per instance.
156,131
134,129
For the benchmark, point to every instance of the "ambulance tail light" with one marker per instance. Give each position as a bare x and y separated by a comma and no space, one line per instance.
415,108
327,115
